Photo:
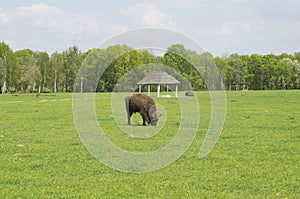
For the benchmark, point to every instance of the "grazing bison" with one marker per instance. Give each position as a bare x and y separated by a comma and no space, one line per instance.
143,104
189,93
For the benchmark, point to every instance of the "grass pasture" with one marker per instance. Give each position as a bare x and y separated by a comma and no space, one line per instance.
256,156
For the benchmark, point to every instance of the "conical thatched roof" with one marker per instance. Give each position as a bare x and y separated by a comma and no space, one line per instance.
158,78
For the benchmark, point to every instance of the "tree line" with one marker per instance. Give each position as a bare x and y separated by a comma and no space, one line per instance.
30,71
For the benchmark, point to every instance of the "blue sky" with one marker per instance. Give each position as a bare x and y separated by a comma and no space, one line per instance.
220,26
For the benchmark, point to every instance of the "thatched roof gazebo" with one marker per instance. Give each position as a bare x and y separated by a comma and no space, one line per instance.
159,78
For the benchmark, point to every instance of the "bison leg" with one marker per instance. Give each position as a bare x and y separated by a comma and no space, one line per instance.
144,123
128,117
145,118
129,113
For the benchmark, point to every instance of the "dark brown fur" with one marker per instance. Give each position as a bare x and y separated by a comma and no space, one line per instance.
143,104
189,93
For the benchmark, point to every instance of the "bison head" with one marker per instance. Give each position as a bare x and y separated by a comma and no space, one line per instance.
153,115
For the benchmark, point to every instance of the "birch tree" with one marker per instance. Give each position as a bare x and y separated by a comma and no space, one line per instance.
56,64
9,70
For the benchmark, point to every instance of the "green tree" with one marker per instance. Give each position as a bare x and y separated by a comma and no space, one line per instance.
186,62
147,57
42,61
256,78
284,74
238,70
226,71
268,65
56,66
296,74
211,75
9,69
118,60
30,73
92,68
72,63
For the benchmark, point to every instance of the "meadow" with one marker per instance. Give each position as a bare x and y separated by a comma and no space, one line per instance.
256,156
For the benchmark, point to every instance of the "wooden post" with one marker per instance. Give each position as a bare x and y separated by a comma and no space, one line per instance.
148,89
176,90
140,88
158,90
167,89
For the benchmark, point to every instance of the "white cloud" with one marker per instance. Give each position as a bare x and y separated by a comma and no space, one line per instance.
120,28
233,27
146,14
50,19
44,27
3,17
223,26
40,8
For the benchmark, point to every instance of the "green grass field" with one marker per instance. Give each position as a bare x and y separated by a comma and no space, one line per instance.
256,156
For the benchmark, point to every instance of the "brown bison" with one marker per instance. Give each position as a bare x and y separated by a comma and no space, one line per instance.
189,93
143,104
